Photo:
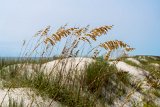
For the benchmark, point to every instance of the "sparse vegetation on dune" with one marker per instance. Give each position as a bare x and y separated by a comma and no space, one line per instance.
150,64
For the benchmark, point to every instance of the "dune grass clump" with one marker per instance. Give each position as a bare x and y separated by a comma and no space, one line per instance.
102,76
64,93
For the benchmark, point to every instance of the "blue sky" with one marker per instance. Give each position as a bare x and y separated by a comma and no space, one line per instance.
136,22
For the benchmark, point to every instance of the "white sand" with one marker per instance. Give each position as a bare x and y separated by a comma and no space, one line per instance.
137,72
29,98
135,97
77,65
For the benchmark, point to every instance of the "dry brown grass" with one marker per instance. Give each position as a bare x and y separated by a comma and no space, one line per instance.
47,41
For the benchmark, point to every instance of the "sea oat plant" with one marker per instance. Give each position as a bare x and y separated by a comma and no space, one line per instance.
46,41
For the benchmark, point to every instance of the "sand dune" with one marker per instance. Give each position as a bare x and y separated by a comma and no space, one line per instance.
71,65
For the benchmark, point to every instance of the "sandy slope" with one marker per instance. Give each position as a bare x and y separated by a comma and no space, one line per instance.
137,72
67,65
138,75
26,95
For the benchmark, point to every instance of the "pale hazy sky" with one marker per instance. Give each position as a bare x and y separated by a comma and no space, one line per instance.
137,22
